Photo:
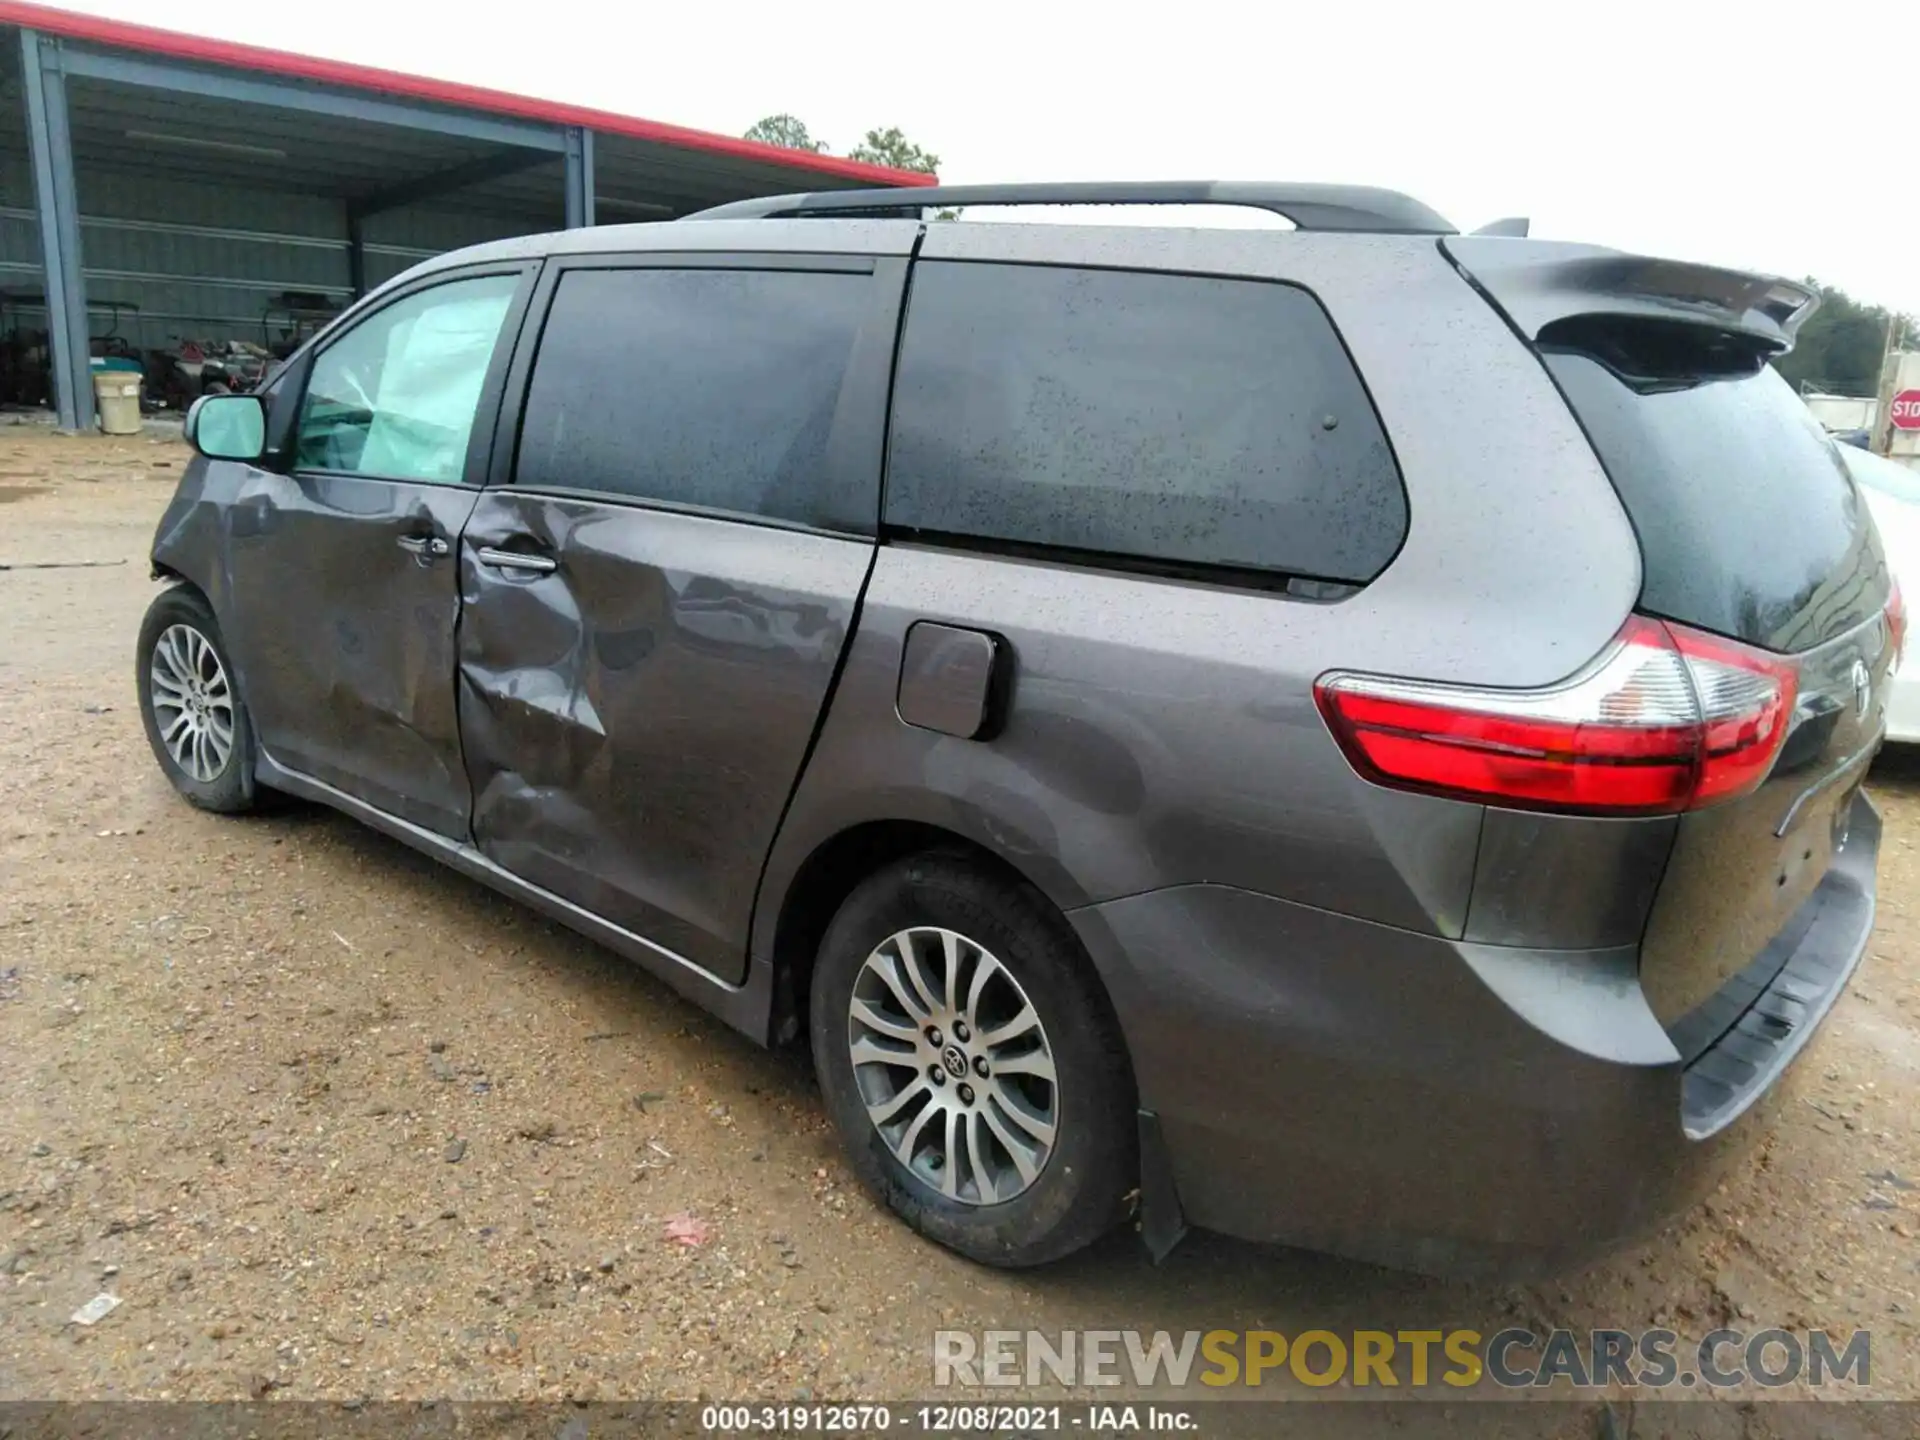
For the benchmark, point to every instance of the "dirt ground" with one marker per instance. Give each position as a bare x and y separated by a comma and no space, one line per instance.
333,1122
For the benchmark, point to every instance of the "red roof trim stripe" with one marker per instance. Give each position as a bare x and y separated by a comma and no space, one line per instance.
231,53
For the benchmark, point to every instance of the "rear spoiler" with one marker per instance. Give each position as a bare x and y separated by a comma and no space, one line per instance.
1537,282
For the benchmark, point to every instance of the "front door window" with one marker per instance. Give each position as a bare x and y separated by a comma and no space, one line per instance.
394,398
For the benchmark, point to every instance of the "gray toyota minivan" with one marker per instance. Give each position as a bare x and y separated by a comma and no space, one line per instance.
1349,736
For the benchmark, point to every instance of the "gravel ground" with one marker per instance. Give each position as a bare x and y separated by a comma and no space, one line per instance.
332,1122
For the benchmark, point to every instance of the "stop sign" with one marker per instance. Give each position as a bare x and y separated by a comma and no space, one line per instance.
1906,410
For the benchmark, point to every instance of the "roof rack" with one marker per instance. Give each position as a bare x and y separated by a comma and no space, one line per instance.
1309,207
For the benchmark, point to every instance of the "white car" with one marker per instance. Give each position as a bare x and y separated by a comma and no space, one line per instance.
1892,493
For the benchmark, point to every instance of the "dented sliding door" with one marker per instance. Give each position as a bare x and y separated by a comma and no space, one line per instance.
655,600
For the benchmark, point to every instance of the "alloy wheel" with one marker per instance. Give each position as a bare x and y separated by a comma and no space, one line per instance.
954,1065
192,702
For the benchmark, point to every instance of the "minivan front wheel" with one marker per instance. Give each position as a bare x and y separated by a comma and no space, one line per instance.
190,703
972,1064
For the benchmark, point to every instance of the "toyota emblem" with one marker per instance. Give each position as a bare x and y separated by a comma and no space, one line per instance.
1862,689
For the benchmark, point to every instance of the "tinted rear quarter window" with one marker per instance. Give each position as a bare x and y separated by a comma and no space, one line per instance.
1748,523
1185,421
714,389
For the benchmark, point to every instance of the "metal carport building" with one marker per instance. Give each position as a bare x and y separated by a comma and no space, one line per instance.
170,185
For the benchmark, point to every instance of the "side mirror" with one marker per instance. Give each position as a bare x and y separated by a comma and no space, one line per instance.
228,427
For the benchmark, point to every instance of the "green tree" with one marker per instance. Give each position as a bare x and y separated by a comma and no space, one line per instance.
890,148
786,131
1840,346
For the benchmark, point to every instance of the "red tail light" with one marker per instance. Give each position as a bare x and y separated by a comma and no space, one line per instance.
1667,719
1897,622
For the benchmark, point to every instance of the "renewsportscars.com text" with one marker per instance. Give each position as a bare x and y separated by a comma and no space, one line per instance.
1514,1358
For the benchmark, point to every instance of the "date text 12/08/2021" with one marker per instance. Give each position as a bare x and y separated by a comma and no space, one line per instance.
941,1419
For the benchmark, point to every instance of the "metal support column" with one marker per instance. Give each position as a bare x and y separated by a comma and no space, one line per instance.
579,177
56,195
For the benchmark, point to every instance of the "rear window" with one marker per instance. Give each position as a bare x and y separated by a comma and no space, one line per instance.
1181,421
1748,523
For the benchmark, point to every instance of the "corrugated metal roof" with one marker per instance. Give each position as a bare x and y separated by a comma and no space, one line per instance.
785,169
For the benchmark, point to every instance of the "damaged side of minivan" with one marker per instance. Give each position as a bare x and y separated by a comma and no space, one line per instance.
1279,729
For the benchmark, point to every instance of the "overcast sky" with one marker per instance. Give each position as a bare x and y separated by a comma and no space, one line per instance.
1702,129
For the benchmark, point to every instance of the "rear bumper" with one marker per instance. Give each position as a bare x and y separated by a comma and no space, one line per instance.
1747,1033
1399,1097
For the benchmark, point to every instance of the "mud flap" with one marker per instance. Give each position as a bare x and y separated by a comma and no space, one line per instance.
1163,1225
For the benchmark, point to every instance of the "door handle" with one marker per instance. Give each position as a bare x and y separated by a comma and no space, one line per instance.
424,548
515,560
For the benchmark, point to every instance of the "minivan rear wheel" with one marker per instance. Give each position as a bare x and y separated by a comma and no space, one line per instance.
190,703
971,1061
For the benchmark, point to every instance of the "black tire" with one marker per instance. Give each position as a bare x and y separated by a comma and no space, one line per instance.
231,789
1084,1186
